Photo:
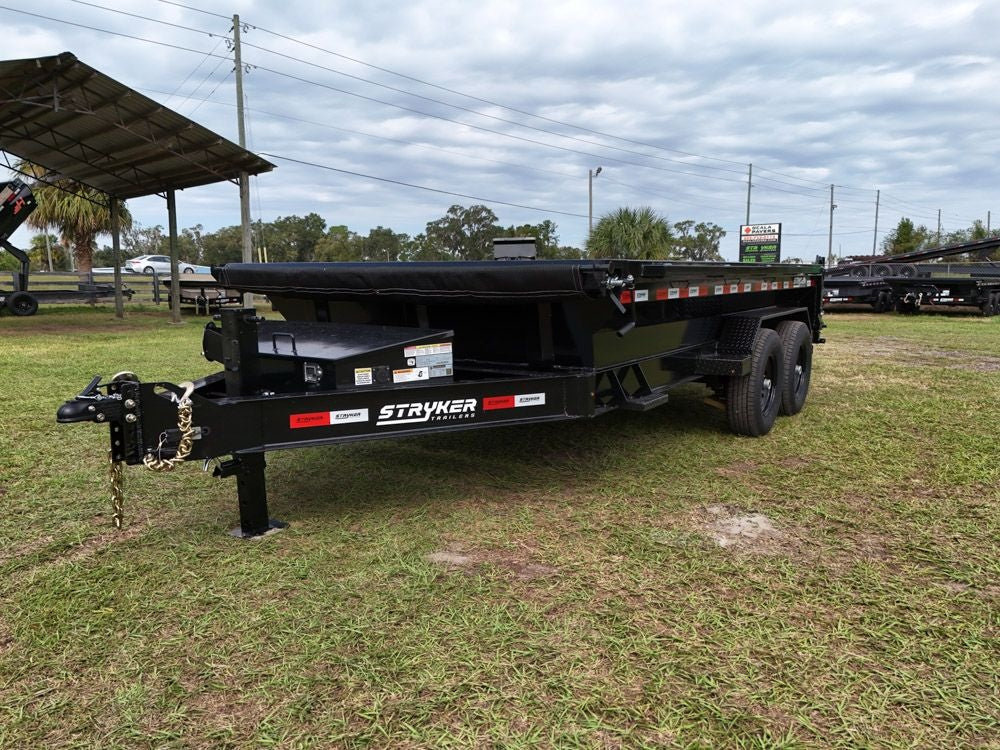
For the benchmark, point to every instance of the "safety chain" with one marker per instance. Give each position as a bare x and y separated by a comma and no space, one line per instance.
117,490
184,407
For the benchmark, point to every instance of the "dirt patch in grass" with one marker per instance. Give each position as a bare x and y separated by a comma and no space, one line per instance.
6,638
90,547
730,527
521,565
908,352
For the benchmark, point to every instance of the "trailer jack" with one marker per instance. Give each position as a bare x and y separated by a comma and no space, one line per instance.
248,468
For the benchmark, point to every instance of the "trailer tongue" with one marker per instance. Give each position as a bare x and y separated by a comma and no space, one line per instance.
370,351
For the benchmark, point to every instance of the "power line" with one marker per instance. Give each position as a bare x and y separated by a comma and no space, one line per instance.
431,99
108,31
327,126
198,10
422,187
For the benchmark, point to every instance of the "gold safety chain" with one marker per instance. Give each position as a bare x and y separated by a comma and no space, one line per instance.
184,408
117,490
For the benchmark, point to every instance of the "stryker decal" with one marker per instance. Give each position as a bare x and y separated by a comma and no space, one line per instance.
427,411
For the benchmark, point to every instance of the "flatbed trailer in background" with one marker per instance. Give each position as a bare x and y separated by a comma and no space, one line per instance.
204,293
16,204
378,350
910,281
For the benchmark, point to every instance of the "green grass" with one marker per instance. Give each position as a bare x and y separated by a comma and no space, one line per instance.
588,606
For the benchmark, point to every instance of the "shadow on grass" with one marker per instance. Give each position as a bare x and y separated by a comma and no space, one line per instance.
490,466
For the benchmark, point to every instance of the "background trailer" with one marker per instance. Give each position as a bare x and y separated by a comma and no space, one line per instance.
378,350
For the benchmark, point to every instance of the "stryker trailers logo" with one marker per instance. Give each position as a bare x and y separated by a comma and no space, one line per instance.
427,411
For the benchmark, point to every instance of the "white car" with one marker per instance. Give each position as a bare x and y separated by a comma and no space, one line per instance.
157,263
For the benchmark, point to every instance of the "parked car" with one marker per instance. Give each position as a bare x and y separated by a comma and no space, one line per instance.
157,263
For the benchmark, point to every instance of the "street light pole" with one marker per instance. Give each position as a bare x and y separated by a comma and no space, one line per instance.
591,174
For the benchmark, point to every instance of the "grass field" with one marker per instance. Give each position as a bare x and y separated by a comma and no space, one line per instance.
644,580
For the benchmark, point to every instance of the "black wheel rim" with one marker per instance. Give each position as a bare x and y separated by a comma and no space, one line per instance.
767,390
799,371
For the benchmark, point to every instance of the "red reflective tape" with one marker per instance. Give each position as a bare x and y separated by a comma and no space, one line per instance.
312,419
625,297
498,402
661,294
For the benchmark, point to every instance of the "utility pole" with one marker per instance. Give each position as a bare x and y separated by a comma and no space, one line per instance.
829,244
875,238
939,229
987,232
749,185
591,174
244,177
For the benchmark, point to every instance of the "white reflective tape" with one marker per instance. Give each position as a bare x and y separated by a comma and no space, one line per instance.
734,288
642,295
348,415
720,289
692,291
673,293
530,399
747,286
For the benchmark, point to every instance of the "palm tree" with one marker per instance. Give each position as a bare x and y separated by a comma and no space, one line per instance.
631,233
78,212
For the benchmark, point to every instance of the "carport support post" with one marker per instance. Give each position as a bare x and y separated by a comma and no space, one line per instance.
116,254
175,287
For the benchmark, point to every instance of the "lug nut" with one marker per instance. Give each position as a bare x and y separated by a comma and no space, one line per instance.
130,418
129,403
100,417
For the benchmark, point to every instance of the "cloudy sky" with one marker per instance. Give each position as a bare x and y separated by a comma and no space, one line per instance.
512,102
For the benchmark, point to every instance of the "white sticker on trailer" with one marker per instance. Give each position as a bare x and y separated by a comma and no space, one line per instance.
348,416
720,289
673,293
529,399
747,286
363,376
423,350
692,291
642,295
734,288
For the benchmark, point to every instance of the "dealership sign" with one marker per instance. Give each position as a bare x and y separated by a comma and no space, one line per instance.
760,243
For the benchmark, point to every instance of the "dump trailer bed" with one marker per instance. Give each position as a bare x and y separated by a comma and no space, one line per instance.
371,351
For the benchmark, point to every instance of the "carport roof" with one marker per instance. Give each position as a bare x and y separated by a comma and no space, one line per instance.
77,122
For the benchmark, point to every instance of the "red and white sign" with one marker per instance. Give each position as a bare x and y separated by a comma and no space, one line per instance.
327,418
492,403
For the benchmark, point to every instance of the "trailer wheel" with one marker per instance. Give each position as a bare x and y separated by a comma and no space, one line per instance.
22,304
753,400
996,303
797,349
988,306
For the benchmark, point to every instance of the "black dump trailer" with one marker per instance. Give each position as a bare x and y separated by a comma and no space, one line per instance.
911,281
16,204
380,350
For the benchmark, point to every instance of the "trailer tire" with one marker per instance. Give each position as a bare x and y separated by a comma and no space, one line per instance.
753,400
797,352
996,303
22,304
988,306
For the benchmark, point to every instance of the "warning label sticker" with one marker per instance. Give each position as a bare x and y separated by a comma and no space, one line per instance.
410,374
363,376
436,358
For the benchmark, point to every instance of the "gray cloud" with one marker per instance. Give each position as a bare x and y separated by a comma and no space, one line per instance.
897,95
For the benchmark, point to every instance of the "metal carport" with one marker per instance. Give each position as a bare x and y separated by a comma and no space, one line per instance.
79,123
